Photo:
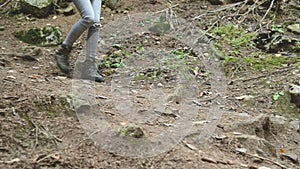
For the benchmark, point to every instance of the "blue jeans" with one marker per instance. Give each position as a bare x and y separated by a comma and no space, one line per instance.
90,11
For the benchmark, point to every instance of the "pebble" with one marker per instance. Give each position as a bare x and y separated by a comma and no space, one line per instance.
263,167
290,156
11,71
218,2
2,28
160,85
295,125
11,77
244,165
295,28
241,150
237,133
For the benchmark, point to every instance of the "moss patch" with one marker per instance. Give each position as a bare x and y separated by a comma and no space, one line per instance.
234,43
46,36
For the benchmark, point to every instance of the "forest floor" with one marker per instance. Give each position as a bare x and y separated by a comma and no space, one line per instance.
243,117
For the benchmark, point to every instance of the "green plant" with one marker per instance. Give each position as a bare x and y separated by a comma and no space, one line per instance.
277,95
234,36
277,28
232,42
113,61
45,36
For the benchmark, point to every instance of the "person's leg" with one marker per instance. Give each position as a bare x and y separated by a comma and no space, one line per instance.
90,65
88,18
93,31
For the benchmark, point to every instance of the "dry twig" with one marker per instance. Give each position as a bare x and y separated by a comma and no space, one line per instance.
53,155
251,9
270,7
265,159
219,10
164,10
5,3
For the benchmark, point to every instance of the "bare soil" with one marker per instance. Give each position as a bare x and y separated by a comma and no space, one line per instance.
40,129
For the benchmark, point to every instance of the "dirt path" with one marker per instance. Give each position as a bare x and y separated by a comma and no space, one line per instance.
40,128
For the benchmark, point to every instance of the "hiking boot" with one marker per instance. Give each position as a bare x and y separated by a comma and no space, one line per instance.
62,58
89,71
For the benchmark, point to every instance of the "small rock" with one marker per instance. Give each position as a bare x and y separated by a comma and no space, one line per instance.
117,46
278,122
245,97
257,160
160,85
256,143
11,77
61,77
112,4
40,8
253,167
160,28
131,131
70,10
11,71
237,133
295,28
241,150
200,122
220,137
218,2
294,125
263,167
230,162
290,156
274,42
2,28
244,165
294,90
46,36
2,112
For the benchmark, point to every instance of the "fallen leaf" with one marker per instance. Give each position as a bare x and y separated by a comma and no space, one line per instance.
282,151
